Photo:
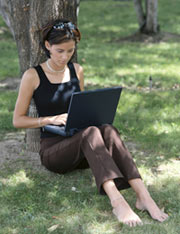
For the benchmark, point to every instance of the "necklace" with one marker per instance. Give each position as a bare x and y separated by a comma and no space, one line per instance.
51,69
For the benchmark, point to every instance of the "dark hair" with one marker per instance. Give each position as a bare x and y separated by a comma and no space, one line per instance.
59,31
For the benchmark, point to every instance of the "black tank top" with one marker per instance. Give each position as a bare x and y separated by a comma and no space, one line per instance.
53,99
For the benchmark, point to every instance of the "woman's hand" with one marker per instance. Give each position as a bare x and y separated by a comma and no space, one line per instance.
59,119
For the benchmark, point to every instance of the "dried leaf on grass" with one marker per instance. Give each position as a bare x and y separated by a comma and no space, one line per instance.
53,228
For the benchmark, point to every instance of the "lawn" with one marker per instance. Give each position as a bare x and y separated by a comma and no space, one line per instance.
37,201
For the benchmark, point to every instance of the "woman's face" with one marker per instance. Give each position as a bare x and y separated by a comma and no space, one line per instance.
61,53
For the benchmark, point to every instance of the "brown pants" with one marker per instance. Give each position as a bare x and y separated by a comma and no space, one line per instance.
101,149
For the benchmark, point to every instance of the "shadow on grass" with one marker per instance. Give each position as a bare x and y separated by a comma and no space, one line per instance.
152,119
154,38
33,202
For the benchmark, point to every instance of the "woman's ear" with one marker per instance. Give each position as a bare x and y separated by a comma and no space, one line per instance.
47,45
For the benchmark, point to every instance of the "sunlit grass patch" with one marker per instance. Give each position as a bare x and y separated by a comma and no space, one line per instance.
169,169
16,179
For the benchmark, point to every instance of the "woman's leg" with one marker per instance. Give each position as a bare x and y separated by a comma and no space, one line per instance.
121,208
112,162
61,154
105,170
129,170
145,201
67,154
120,155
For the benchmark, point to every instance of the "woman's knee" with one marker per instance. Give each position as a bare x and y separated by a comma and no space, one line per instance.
105,131
108,129
91,133
91,130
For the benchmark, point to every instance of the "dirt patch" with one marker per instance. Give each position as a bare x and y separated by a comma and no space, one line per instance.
13,150
10,148
10,84
156,38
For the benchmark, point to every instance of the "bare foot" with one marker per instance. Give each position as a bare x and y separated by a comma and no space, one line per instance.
149,204
124,213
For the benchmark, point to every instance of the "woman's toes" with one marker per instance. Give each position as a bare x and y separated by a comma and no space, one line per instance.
134,223
160,217
164,217
154,211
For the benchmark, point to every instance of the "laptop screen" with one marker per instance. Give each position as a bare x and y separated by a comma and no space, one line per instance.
92,108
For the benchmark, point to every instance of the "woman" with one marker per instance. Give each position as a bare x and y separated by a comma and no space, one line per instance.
51,85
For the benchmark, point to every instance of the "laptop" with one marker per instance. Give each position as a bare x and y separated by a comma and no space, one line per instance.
88,108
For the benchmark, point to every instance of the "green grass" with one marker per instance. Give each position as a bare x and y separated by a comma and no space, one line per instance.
151,119
8,59
33,201
7,103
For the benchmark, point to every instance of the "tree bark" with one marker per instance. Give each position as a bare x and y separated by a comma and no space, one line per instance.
25,18
147,17
16,16
151,21
139,12
78,6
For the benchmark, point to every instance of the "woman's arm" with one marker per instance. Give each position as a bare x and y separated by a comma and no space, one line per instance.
29,83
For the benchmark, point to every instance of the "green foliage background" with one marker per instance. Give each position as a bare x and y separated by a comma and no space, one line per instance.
32,201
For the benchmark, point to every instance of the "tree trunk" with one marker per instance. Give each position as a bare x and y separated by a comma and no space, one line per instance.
16,16
151,20
139,12
78,6
25,18
147,18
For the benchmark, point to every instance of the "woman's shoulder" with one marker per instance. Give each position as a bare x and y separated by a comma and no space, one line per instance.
30,73
80,74
78,67
30,76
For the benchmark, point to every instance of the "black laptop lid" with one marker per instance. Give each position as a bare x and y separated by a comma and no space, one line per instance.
92,108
